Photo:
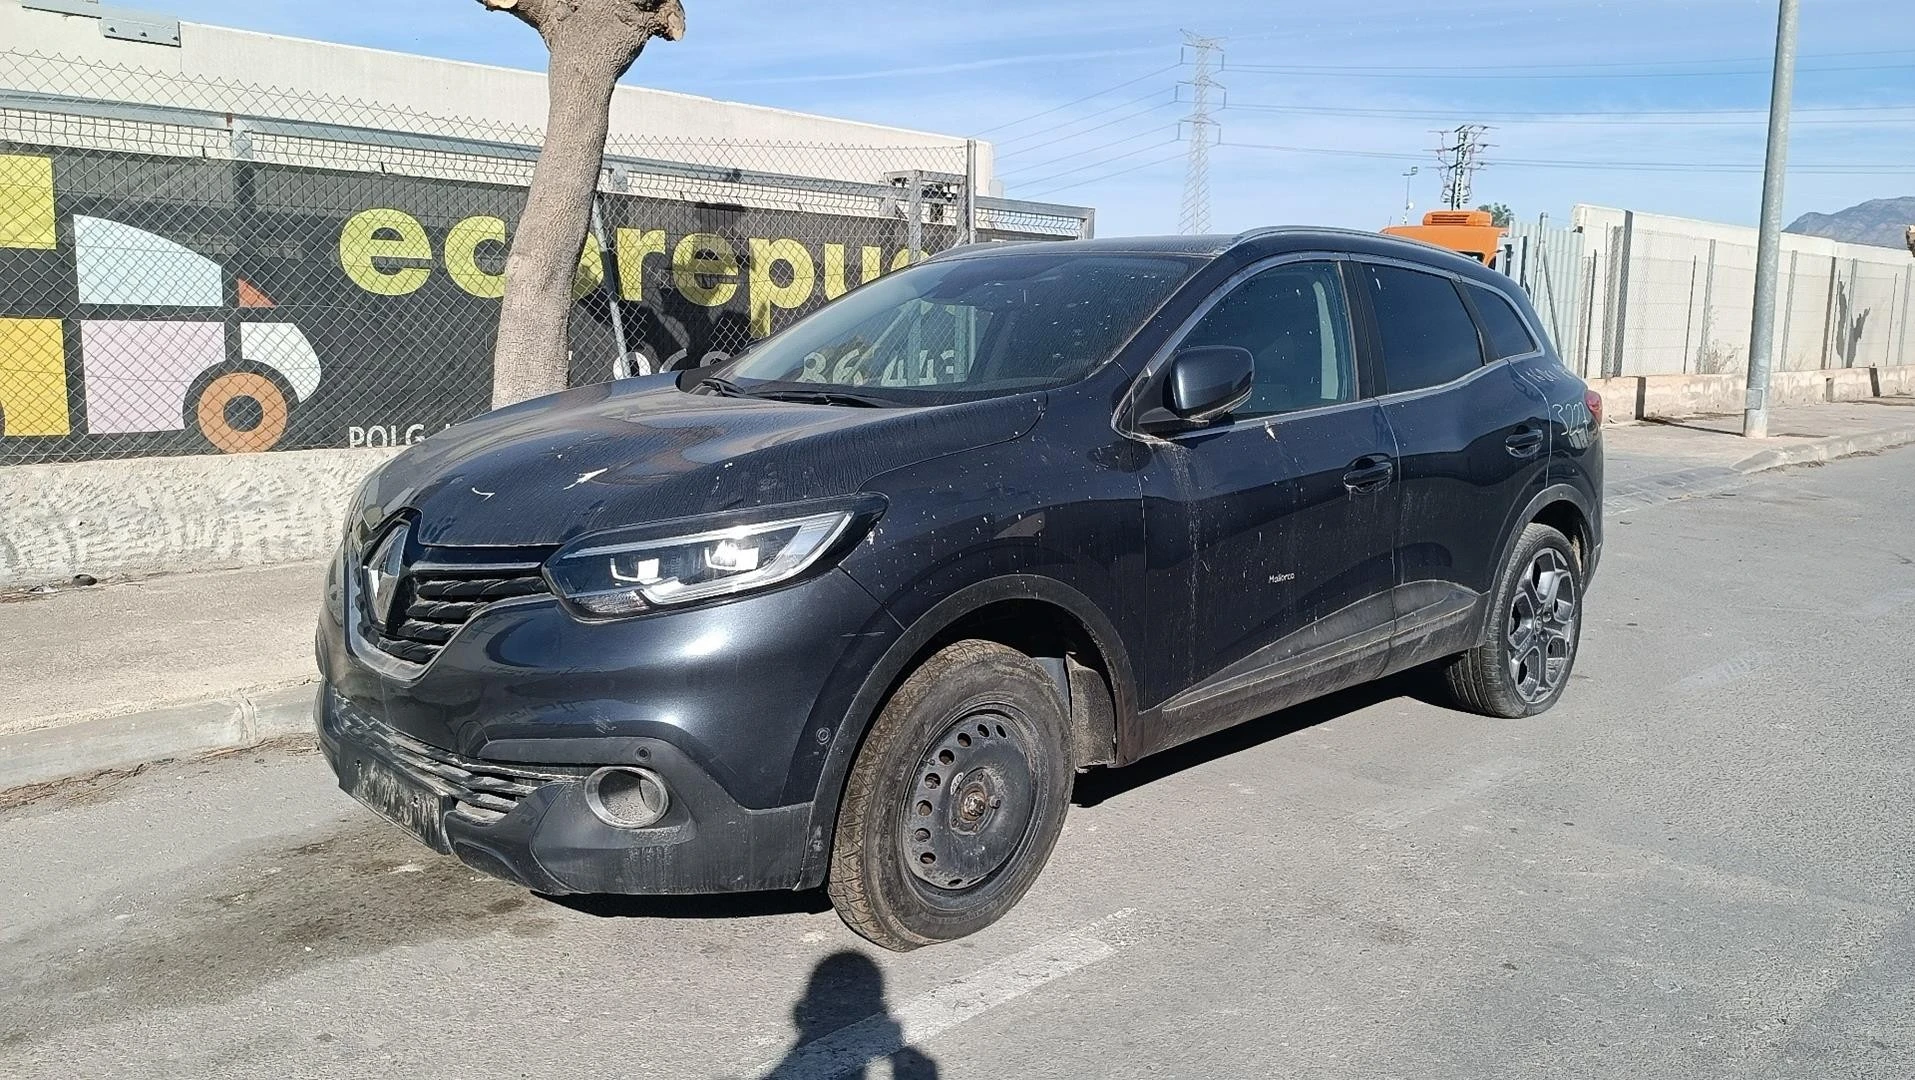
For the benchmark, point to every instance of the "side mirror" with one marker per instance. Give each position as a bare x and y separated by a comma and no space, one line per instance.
1208,381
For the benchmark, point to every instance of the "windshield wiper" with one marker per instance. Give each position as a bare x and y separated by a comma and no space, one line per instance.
823,397
722,386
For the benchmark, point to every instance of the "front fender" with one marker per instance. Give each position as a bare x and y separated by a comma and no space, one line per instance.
896,662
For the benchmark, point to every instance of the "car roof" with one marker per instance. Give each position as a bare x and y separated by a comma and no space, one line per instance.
1256,244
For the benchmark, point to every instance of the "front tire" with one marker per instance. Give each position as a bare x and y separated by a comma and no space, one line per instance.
955,800
1535,627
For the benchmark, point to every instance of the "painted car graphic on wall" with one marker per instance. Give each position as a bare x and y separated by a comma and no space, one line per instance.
167,359
188,303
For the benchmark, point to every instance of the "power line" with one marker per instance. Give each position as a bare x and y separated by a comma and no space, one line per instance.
1108,176
1033,167
1383,155
1591,112
1346,73
1080,101
1051,143
1702,166
1567,163
1196,212
1098,164
1620,116
1581,64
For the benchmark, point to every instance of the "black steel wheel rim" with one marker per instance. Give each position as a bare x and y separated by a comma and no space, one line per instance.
971,802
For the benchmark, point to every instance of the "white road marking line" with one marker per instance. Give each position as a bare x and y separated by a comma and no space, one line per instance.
926,1016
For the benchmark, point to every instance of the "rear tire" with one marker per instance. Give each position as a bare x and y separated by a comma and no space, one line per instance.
1524,665
955,800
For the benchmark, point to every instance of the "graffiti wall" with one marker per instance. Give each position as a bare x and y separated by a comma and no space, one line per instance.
166,305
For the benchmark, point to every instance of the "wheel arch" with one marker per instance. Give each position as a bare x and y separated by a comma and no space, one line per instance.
1566,517
1562,507
1072,639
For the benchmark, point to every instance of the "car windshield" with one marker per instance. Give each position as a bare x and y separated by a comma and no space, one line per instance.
961,330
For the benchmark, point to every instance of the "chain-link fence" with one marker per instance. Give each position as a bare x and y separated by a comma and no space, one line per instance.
190,266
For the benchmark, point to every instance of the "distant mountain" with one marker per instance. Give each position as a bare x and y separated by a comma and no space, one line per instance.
1881,222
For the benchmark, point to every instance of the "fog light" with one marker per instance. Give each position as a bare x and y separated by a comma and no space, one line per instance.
627,798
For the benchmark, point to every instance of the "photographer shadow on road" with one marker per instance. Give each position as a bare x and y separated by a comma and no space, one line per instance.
845,1026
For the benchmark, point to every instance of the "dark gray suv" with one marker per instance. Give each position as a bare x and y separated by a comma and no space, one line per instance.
853,608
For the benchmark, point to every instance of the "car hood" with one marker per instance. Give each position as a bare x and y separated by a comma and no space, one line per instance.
641,450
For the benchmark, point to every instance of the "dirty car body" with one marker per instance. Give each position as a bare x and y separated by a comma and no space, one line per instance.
635,637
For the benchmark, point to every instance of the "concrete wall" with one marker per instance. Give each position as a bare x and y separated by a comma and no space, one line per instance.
174,515
1633,397
1690,298
375,87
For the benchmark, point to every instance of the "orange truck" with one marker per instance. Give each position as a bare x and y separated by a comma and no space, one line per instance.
1471,232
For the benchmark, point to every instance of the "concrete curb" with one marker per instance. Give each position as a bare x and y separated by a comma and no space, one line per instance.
1707,480
1837,446
235,721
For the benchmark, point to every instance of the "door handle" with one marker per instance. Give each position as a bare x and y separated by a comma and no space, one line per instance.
1368,474
1525,443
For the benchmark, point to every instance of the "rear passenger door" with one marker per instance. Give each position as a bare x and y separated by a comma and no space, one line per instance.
1472,444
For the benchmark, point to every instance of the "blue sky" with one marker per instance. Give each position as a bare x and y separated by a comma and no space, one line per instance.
1647,81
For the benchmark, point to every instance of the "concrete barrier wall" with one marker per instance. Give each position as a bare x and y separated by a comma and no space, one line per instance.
1633,397
173,515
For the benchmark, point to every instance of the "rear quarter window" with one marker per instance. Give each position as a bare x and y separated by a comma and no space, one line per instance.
1508,334
1427,334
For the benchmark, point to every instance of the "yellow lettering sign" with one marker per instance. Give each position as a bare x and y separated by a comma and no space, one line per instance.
699,258
591,269
634,247
462,251
766,293
378,247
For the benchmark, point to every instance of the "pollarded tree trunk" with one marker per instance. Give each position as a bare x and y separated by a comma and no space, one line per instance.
592,43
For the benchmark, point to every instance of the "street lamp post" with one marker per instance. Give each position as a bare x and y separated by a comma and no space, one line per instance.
1407,204
1768,249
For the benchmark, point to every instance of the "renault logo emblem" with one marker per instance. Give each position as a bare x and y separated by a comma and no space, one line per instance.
382,571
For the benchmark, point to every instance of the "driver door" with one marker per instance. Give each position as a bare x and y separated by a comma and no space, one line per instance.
1270,531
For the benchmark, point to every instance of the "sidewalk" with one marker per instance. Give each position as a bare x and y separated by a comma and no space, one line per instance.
116,675
113,676
1652,461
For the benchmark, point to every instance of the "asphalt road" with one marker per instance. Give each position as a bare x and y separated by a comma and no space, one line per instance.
1699,865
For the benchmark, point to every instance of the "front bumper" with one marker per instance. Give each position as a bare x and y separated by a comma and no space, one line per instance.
529,824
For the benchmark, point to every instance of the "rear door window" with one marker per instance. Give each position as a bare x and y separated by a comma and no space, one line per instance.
1507,333
1427,334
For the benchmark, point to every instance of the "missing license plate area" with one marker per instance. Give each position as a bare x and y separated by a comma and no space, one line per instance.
399,800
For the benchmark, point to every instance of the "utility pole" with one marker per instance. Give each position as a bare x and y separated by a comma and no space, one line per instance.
1203,55
1408,205
1768,247
1460,154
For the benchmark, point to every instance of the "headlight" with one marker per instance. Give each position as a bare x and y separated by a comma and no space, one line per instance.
625,578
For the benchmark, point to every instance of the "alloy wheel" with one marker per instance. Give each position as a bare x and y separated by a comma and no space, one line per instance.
1542,626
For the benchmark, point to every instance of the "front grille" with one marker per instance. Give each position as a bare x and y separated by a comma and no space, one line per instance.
484,791
443,592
